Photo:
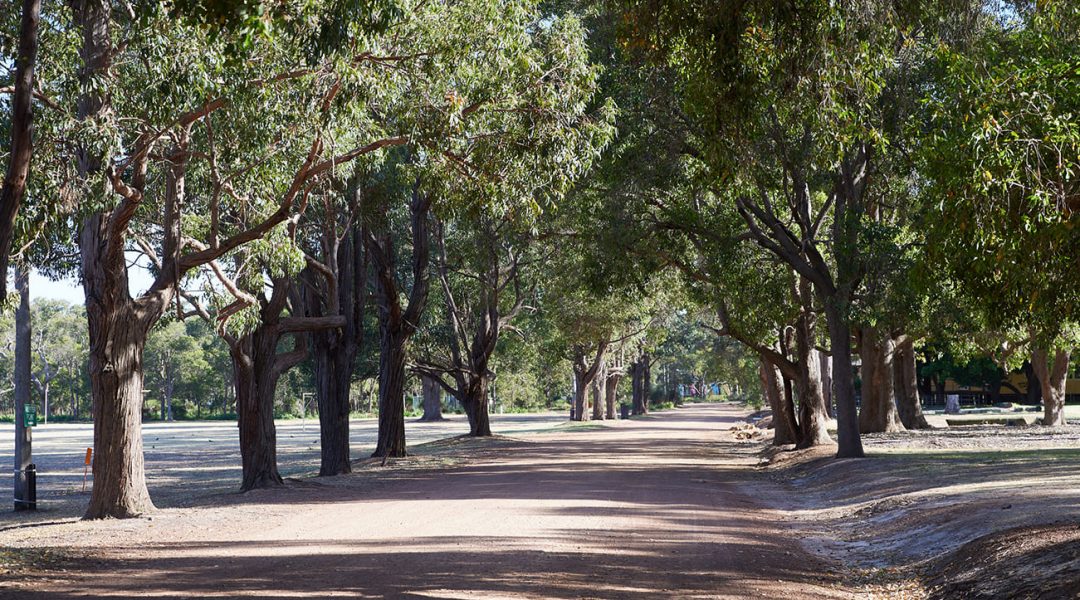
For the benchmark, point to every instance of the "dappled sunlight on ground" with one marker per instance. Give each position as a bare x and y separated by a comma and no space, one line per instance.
639,508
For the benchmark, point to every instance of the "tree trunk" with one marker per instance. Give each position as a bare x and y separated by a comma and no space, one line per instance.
253,358
391,392
639,373
396,324
813,417
45,402
340,289
847,420
23,436
787,405
22,118
939,383
118,328
598,390
1034,389
333,374
879,412
826,383
1052,380
581,391
646,384
992,389
475,404
611,390
432,395
907,386
585,373
770,379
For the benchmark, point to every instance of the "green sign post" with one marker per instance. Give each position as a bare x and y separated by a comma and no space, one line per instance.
29,416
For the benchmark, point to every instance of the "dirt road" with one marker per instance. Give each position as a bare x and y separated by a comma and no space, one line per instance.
649,508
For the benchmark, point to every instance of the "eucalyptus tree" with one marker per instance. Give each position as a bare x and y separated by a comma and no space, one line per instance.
397,321
792,109
174,358
20,150
512,132
486,274
165,111
592,319
1002,160
335,281
488,257
56,339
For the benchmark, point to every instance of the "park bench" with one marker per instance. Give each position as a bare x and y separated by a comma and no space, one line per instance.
1009,420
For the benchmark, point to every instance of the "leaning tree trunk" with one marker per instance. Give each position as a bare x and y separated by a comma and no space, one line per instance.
907,387
21,114
432,395
787,405
475,403
255,381
1052,380
847,420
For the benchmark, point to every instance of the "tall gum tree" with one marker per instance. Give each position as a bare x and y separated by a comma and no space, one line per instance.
1004,174
397,320
336,285
483,289
144,139
790,111
17,170
515,127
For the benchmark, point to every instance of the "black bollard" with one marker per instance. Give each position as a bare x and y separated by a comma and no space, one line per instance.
31,487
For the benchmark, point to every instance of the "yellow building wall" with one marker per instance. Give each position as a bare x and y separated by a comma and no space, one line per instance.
1072,386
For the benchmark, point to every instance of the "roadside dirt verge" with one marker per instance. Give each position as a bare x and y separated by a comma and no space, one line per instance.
950,513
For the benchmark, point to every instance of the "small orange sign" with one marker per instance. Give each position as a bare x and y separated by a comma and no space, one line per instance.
89,454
